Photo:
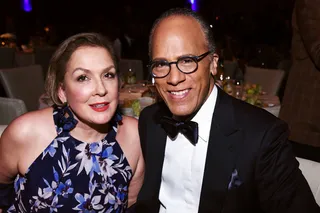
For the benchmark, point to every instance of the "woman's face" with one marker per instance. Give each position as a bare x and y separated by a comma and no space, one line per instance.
91,85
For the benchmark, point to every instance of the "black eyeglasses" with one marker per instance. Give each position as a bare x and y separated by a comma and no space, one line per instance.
185,64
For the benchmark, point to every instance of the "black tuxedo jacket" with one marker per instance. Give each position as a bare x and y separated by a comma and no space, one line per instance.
242,138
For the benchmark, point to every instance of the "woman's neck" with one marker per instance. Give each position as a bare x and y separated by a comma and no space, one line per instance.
87,135
88,132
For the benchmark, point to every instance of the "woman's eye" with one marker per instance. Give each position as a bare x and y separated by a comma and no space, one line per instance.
82,78
110,75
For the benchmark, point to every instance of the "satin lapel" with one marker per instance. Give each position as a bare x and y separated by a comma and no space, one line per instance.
157,156
157,150
225,137
154,148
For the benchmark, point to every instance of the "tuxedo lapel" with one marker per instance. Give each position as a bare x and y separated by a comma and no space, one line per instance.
157,155
154,157
224,139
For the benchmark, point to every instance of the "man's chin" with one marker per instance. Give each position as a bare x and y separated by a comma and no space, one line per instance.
180,112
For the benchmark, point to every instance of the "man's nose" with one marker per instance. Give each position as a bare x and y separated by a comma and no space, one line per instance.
175,76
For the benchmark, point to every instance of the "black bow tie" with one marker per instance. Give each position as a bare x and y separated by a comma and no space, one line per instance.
189,128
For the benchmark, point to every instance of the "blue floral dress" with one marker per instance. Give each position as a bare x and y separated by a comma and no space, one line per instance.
74,176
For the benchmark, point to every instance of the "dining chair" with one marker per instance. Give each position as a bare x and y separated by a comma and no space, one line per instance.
10,109
6,57
25,83
42,56
269,79
2,128
22,59
136,65
230,68
311,171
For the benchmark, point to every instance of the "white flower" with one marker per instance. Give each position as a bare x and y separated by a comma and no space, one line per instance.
88,156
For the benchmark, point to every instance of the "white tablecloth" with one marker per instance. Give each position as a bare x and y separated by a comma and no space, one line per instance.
273,110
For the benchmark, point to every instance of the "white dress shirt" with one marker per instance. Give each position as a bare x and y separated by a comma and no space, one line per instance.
184,163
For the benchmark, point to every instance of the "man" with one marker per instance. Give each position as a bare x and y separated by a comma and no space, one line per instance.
301,101
239,162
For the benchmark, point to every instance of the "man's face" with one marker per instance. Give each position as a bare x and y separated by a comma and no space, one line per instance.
174,37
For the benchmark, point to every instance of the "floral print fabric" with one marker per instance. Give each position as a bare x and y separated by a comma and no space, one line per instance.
74,176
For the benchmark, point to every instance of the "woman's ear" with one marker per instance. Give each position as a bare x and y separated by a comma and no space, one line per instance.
214,64
62,94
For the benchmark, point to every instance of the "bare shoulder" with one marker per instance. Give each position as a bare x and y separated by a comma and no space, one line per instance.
22,138
129,129
129,125
28,125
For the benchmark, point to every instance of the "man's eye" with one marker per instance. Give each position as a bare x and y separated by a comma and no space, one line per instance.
82,78
159,64
186,60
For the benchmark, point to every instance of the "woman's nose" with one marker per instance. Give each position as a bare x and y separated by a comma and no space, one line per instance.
100,88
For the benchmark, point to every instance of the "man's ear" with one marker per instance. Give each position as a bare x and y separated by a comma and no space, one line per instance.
62,94
214,64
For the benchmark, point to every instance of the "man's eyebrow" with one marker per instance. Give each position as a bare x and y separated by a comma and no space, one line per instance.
159,59
181,56
187,55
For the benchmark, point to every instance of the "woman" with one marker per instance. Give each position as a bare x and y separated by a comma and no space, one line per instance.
80,155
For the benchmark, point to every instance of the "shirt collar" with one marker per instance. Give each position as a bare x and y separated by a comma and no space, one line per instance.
204,115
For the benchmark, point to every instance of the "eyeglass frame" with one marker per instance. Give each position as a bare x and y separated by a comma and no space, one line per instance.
196,59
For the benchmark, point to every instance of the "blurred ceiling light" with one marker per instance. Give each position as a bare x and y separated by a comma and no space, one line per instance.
26,5
193,4
211,25
47,29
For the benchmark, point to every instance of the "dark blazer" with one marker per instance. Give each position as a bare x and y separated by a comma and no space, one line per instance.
301,100
244,139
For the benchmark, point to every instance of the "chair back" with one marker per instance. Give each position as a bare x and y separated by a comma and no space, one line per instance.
136,65
269,79
230,68
311,171
42,56
2,128
22,59
25,83
10,109
6,57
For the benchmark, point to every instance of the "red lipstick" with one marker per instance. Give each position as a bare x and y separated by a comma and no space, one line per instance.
100,107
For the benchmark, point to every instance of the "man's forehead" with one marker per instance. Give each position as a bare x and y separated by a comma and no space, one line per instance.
178,20
174,37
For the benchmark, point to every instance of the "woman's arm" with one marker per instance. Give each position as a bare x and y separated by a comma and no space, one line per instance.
9,153
136,181
20,145
9,158
134,154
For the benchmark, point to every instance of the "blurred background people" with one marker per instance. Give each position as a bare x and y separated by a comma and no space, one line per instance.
301,101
